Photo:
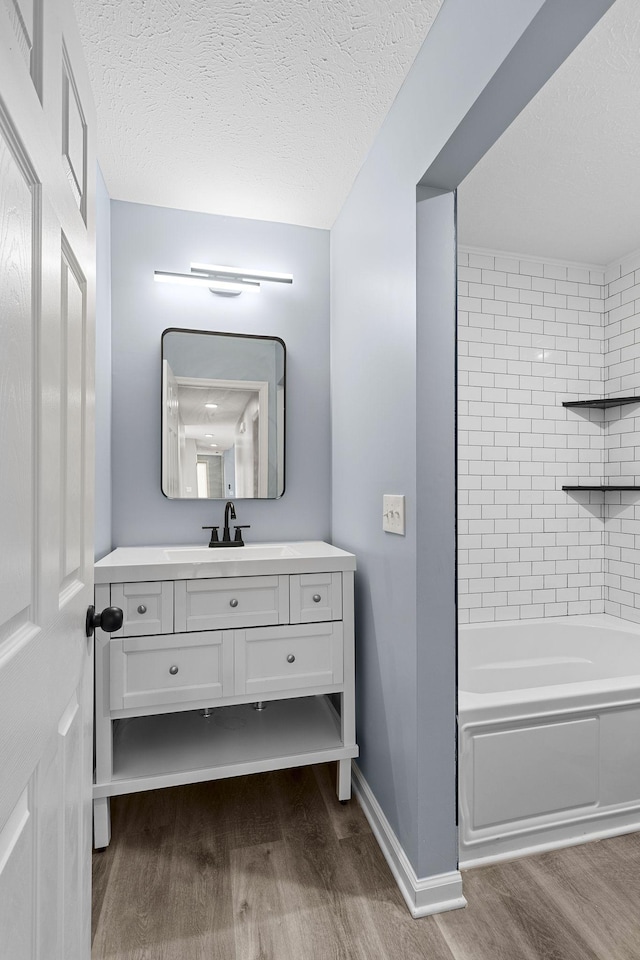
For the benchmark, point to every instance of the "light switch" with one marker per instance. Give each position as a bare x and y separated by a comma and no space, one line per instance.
393,514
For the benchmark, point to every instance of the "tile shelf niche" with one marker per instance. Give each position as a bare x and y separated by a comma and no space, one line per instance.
600,403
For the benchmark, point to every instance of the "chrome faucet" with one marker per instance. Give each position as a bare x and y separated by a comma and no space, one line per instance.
229,514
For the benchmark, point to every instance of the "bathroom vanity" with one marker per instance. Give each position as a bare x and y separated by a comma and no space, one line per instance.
224,666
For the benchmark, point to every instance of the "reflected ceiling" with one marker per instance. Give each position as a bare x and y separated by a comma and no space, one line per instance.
213,429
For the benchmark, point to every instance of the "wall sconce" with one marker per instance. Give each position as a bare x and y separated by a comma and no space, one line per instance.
229,281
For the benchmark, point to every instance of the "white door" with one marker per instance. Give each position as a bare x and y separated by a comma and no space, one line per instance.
170,434
47,266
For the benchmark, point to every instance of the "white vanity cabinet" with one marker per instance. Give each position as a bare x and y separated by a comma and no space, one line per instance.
223,666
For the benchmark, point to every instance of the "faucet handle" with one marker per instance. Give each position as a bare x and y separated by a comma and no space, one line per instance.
238,529
214,534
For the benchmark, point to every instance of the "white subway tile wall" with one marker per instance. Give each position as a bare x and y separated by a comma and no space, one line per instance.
530,335
622,438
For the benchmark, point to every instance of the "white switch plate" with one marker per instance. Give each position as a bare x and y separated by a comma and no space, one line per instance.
393,514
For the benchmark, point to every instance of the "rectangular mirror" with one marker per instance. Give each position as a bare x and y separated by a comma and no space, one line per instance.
223,406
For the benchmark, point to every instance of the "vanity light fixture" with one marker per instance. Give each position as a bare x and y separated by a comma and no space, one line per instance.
229,281
240,273
211,406
233,287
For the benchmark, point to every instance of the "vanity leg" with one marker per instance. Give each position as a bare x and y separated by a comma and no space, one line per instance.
101,823
344,780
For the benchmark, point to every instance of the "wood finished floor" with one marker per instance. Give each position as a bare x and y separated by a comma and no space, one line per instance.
272,867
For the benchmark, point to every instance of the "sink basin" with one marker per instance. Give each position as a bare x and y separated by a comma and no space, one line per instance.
198,561
258,551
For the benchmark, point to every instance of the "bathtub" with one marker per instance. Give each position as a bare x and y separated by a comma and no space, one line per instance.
549,734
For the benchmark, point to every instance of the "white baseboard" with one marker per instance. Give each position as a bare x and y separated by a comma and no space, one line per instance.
423,895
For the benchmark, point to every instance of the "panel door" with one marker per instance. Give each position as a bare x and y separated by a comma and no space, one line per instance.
47,266
170,434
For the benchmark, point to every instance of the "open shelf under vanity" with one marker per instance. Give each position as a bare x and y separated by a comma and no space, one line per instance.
186,747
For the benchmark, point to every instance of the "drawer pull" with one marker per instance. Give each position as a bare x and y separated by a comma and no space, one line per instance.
233,603
142,608
173,670
317,598
291,658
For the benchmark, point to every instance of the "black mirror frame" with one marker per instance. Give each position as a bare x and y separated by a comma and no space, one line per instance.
245,336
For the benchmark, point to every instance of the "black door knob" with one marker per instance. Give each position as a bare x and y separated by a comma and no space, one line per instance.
109,620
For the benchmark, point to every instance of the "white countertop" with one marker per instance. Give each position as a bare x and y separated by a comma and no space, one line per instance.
195,561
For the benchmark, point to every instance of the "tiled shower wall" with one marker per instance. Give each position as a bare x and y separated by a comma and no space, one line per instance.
622,463
530,336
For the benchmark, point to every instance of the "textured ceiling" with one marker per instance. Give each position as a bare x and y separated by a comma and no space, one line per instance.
564,179
250,108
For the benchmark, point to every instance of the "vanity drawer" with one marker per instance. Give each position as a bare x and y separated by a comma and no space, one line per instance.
289,658
316,597
158,671
231,602
147,607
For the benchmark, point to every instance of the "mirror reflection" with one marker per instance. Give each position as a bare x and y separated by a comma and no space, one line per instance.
223,402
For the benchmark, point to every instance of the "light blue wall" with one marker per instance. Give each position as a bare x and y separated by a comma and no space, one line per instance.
144,239
103,370
436,622
405,644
